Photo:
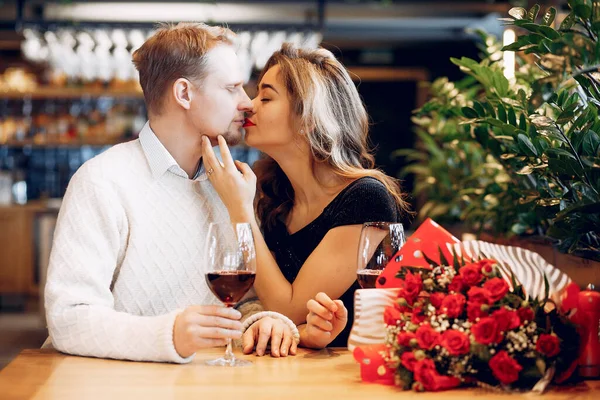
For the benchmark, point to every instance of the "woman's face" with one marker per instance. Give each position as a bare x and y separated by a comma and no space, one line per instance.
272,124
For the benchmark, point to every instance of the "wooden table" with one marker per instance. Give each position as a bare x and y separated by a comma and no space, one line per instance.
327,374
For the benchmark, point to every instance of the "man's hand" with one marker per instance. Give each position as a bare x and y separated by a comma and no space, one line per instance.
199,327
280,335
325,320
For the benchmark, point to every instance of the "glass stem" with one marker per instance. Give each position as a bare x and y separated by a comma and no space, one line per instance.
229,353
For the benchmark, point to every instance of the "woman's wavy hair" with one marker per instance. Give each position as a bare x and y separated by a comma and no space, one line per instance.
336,123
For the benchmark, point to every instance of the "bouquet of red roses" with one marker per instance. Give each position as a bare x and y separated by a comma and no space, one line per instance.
463,324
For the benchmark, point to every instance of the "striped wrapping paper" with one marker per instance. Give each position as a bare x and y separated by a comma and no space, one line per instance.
528,267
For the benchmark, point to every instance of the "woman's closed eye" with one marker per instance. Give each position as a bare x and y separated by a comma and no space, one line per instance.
264,100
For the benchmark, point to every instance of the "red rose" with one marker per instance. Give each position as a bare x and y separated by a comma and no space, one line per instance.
479,295
427,375
487,265
497,287
486,331
525,314
417,315
457,285
436,299
506,319
413,284
409,360
453,305
549,345
457,343
505,368
404,338
427,337
391,315
471,274
474,311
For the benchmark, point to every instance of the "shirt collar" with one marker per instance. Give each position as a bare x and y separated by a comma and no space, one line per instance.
159,158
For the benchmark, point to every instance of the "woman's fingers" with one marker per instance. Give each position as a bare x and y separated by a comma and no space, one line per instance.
326,302
245,169
319,322
342,311
225,153
211,162
318,309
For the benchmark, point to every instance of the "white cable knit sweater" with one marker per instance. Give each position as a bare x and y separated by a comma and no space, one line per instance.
127,253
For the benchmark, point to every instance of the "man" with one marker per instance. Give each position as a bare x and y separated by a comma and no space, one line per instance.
125,279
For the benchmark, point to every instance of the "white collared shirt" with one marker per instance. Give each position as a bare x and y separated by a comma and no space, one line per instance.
159,158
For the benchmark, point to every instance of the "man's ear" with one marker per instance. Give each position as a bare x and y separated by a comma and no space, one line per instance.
182,93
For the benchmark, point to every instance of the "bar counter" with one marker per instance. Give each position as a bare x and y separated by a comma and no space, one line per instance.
328,374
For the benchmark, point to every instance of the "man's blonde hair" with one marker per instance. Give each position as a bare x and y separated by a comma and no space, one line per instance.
173,52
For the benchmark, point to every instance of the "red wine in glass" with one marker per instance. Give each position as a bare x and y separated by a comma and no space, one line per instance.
368,277
230,286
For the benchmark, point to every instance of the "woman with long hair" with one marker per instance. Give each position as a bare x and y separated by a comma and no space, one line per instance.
317,185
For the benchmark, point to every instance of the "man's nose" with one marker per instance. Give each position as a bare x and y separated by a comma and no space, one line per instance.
246,104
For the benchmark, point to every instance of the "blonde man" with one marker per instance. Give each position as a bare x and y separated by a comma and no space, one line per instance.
124,279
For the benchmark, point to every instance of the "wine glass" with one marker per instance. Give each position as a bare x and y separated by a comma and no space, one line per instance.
379,242
231,269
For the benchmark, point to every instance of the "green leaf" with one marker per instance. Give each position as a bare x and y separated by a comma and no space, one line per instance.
541,121
567,114
582,10
546,288
513,279
518,13
533,12
465,62
501,113
525,144
523,122
479,108
512,118
568,22
569,167
443,259
490,110
540,144
557,151
549,16
430,261
468,112
562,97
517,45
593,208
590,143
541,29
455,262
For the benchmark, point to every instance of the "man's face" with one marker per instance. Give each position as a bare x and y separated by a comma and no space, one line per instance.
219,103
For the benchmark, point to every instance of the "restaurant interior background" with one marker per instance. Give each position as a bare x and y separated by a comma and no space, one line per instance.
68,91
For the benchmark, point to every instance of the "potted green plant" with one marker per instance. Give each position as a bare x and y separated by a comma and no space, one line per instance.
541,131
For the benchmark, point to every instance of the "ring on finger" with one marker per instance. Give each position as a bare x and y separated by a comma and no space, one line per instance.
210,171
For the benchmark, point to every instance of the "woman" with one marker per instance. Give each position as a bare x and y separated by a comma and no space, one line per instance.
316,187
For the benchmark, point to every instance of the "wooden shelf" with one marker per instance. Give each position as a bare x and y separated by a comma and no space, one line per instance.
57,143
45,92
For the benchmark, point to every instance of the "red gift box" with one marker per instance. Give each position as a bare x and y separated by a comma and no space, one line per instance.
373,367
429,239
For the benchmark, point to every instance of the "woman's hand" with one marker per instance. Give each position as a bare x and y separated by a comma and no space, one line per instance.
234,181
271,330
325,320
